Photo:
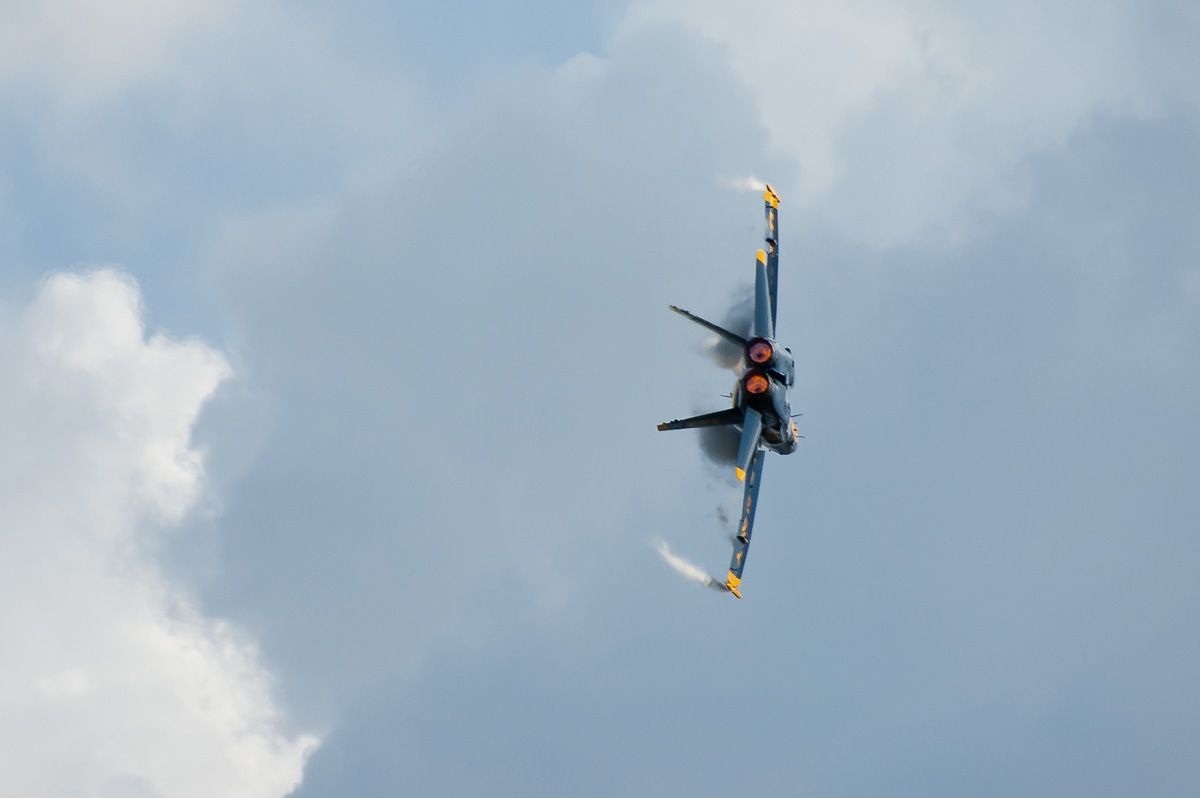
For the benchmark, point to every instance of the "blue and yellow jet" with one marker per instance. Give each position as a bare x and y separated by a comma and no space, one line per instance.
762,396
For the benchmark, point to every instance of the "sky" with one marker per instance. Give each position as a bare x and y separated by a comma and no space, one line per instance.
336,337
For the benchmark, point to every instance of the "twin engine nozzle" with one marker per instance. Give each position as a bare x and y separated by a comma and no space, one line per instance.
760,353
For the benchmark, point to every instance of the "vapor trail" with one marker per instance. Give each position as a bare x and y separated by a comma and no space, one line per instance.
686,569
720,444
750,183
738,319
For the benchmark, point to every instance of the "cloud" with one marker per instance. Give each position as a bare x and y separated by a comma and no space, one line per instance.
171,110
84,53
465,368
114,682
909,121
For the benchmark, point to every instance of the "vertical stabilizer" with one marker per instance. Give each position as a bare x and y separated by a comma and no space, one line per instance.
751,430
764,317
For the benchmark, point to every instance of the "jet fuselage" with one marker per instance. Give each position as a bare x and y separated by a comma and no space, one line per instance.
768,372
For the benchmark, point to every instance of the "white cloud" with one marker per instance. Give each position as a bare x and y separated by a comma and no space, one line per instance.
112,682
124,96
909,119
83,52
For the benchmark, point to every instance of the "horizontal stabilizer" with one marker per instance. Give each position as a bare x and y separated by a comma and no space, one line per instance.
718,419
732,338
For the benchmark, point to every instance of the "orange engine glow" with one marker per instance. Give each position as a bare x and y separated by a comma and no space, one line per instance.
756,384
760,351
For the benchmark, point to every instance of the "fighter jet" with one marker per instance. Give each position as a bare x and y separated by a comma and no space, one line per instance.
762,396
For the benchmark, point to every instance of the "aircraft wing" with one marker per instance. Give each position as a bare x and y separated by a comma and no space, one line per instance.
772,237
741,543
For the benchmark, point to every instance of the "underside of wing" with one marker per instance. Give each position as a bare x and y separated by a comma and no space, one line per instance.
741,542
772,238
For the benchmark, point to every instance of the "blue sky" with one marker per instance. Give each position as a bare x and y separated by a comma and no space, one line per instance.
339,336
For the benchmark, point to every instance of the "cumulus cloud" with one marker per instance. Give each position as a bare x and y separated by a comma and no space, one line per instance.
907,120
113,682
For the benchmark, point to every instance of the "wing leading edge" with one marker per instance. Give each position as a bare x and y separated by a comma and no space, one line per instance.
741,543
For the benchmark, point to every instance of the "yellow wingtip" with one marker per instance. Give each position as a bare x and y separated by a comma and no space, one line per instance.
731,583
770,196
762,257
741,475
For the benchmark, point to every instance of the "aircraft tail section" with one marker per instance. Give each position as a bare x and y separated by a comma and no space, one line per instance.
751,432
764,314
718,419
